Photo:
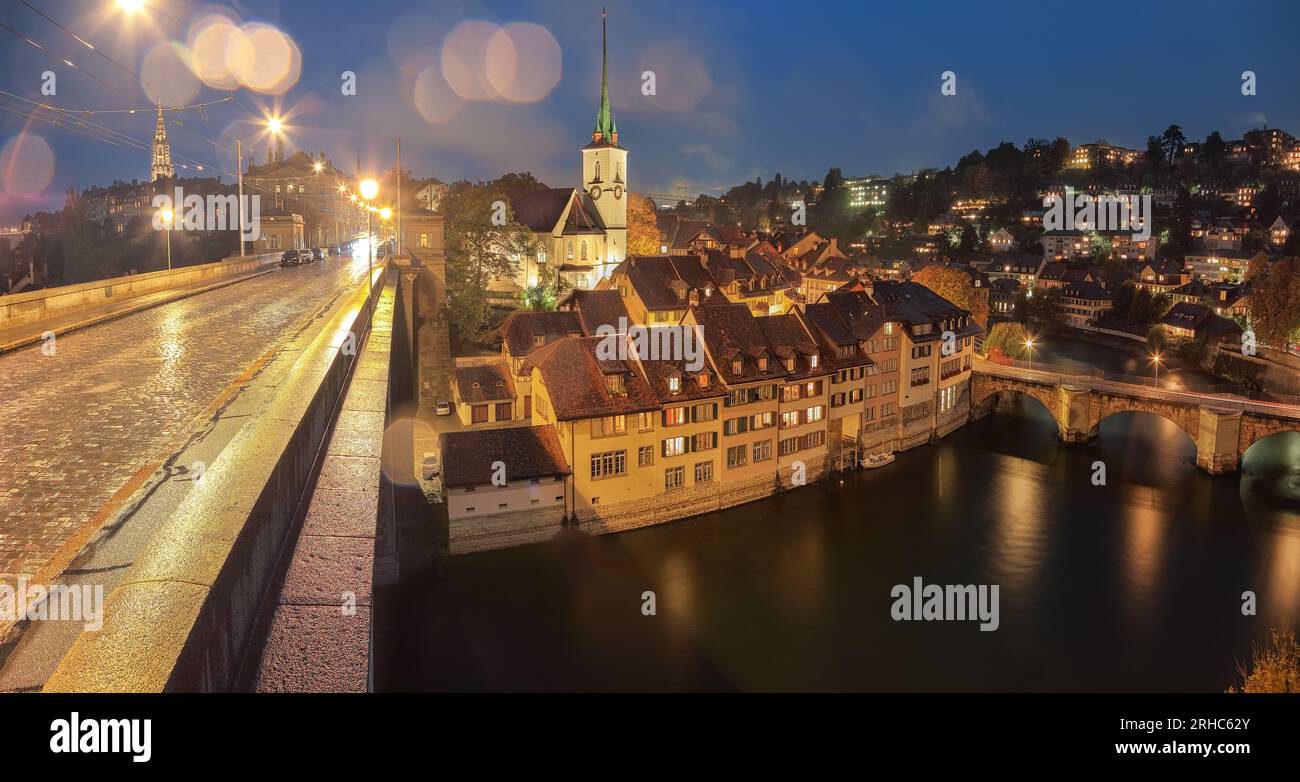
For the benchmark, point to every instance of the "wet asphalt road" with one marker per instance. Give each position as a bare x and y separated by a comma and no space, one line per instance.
80,430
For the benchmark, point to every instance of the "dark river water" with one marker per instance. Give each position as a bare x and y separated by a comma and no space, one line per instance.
1132,586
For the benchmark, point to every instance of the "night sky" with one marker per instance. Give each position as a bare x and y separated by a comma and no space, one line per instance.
746,88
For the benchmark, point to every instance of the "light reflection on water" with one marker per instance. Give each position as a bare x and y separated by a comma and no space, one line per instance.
1134,585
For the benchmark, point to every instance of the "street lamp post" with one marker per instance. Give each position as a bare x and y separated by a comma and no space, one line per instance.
1155,359
168,215
369,189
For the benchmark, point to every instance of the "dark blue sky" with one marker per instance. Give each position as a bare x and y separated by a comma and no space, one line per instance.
745,87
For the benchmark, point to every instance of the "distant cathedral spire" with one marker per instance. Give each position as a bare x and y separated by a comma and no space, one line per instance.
162,154
606,128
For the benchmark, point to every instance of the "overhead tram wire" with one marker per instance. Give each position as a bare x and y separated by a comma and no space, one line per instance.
137,77
64,60
96,50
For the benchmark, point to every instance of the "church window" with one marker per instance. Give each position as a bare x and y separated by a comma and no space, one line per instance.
597,179
584,251
570,249
424,240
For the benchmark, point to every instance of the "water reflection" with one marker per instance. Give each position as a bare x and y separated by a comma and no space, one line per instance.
1134,585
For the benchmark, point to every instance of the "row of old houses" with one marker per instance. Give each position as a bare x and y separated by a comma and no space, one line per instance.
585,424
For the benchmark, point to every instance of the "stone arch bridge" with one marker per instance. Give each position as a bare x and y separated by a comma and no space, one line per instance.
1221,426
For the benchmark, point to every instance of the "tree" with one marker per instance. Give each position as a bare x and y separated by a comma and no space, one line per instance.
542,295
1274,666
1044,307
957,287
1157,338
515,184
1173,141
1009,339
479,251
1274,302
642,227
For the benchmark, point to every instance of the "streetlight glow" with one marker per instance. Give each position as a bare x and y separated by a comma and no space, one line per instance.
385,213
274,125
369,189
130,6
318,167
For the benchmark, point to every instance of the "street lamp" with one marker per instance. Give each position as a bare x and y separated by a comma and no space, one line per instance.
1155,359
1029,344
369,189
168,215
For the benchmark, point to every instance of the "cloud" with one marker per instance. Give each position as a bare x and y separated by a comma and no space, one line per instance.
711,157
948,112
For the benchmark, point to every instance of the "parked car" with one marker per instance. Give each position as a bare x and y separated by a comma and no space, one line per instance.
442,407
317,254
430,468
333,249
290,258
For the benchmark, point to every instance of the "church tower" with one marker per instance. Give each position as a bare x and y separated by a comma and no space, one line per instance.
162,154
604,174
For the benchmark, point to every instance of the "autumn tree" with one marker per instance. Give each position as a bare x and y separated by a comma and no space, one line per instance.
957,287
1274,665
642,226
1274,302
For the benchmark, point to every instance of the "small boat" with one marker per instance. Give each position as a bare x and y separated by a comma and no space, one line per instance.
873,461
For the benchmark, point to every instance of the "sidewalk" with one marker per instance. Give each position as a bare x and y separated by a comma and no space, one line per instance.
32,333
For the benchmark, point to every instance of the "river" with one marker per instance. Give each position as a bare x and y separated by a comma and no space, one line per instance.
1131,586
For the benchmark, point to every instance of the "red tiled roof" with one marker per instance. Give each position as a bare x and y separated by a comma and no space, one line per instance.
527,452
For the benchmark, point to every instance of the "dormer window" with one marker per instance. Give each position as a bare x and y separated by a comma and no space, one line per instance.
614,384
703,380
813,359
762,364
674,383
735,367
789,364
539,340
889,329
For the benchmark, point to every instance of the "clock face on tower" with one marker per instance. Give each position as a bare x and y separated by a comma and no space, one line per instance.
618,191
594,192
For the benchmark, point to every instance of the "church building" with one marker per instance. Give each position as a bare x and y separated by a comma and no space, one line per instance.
583,231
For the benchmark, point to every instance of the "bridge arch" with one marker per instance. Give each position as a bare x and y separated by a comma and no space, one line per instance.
1135,412
1105,406
985,391
1256,428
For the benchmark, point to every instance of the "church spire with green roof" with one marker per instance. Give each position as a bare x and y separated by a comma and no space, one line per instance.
606,127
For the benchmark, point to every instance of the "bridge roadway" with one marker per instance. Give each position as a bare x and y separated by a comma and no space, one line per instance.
122,407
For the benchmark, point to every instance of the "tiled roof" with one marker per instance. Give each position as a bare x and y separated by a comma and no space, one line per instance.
730,332
522,328
664,282
1199,318
1086,290
596,307
574,377
658,372
527,452
483,383
540,210
860,314
914,304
